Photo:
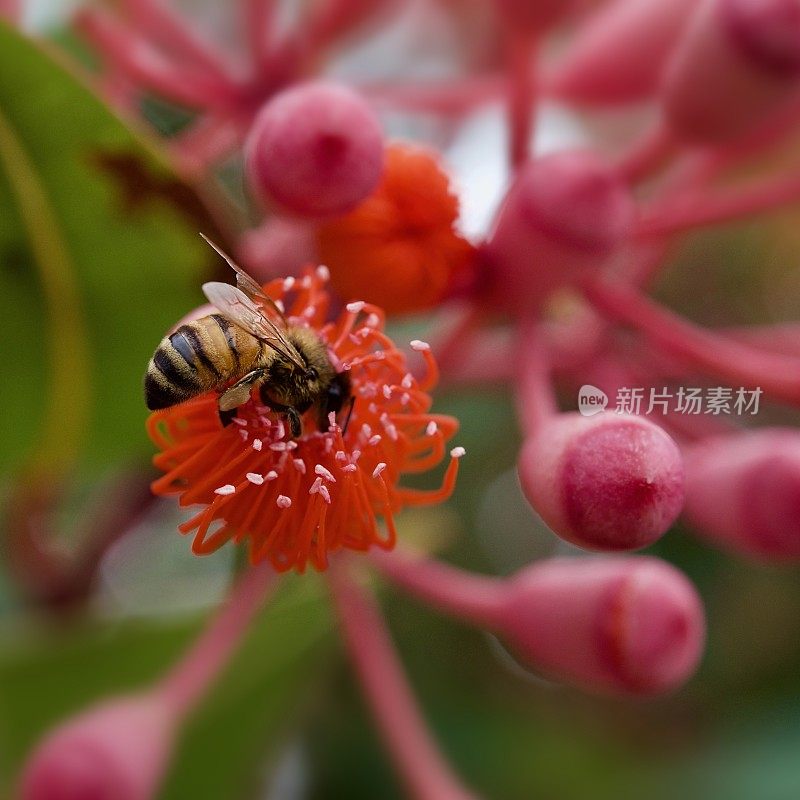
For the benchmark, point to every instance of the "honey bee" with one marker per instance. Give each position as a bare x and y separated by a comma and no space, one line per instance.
249,344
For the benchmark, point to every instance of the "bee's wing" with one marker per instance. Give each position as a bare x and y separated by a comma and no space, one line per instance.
234,304
247,283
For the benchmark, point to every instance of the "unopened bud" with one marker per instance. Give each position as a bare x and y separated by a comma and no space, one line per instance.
115,751
622,624
618,55
564,215
315,150
738,62
606,482
743,492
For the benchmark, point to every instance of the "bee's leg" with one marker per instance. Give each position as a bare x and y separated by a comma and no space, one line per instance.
350,403
226,417
290,412
295,424
236,395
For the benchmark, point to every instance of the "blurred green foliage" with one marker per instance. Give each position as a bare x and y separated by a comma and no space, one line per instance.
93,270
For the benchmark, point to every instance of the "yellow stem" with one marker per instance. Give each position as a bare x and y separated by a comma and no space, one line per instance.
67,387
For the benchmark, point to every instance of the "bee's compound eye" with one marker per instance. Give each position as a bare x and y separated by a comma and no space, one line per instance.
312,374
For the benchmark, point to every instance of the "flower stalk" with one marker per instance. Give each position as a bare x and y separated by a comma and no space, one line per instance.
417,759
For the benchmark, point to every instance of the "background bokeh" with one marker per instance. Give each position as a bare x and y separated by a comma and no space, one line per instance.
94,266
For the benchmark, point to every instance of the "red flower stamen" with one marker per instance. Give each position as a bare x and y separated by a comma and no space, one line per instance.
295,501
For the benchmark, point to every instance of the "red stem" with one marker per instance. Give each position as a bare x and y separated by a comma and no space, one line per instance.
476,598
456,344
410,744
648,154
134,57
189,680
521,94
176,33
259,20
698,210
536,403
332,19
734,363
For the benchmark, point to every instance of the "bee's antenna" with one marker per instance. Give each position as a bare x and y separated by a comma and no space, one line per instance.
246,282
233,265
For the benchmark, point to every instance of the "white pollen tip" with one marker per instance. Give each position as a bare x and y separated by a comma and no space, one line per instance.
387,391
299,465
419,346
282,501
257,444
238,421
408,381
271,475
373,440
432,428
380,468
228,488
325,494
349,468
457,452
288,283
315,487
355,307
279,305
324,473
255,478
323,273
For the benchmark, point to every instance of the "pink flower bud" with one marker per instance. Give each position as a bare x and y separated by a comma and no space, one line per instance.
116,751
624,624
607,482
565,214
743,491
738,62
315,150
619,54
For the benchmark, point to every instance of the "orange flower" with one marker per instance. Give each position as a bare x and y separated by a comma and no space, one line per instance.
295,501
400,242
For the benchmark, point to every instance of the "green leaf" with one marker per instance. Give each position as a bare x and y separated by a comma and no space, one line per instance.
46,677
89,278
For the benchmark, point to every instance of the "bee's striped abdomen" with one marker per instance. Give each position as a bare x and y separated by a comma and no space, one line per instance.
199,356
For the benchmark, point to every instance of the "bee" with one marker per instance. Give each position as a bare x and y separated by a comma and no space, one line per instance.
249,344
